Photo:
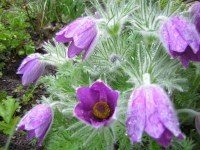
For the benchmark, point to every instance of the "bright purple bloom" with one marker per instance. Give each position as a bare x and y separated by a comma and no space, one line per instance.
37,122
195,14
197,123
181,40
82,33
31,68
97,105
151,110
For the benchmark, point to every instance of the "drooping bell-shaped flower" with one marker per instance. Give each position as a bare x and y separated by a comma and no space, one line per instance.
195,14
37,122
151,110
31,68
197,123
97,104
82,33
181,40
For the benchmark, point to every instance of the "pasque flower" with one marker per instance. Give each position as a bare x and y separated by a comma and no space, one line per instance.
181,39
97,104
31,68
195,14
151,110
37,122
82,34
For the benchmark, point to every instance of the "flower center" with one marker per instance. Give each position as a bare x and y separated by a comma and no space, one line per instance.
101,110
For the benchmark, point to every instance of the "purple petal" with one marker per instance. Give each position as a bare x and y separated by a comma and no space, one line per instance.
153,125
36,117
62,39
73,50
27,60
172,35
187,56
69,30
79,25
41,131
195,14
106,93
135,122
82,114
90,48
34,70
87,97
98,124
165,139
31,134
83,39
166,111
189,33
25,67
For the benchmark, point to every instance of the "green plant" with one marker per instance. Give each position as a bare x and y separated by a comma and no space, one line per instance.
8,108
45,12
14,38
28,95
3,95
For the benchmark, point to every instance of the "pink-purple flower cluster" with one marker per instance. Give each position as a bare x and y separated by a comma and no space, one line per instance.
150,109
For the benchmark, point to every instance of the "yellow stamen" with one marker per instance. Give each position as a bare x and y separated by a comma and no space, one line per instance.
101,110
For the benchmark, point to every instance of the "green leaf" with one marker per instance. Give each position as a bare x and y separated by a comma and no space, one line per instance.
7,128
29,48
8,108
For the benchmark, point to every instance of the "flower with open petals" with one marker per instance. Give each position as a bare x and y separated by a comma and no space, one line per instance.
82,33
182,40
195,14
37,122
97,105
31,68
151,110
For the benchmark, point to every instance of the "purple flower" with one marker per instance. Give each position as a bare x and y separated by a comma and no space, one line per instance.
97,105
82,33
151,110
197,123
31,68
195,14
181,40
37,122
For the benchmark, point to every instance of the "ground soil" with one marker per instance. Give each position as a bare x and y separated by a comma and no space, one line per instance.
18,142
